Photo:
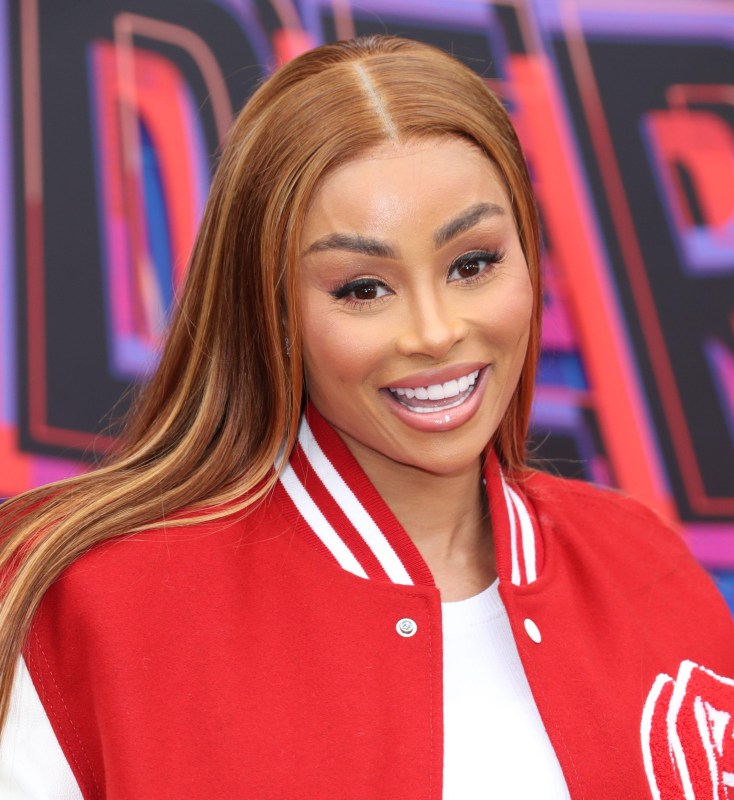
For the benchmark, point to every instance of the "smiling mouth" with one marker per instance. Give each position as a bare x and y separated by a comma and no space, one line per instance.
437,396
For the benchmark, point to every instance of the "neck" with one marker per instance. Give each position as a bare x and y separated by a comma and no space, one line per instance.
446,517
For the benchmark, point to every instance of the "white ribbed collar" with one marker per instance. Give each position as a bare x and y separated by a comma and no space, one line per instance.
334,505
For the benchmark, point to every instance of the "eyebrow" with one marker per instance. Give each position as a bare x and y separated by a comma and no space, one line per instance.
355,243
466,220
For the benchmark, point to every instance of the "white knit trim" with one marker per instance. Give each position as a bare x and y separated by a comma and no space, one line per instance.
527,536
522,542
515,576
522,534
351,506
318,522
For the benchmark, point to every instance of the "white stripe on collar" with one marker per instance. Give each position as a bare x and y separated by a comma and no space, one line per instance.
523,551
515,577
521,531
350,505
527,535
318,522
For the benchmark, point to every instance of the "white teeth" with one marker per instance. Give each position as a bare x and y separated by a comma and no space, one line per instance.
446,407
439,391
451,389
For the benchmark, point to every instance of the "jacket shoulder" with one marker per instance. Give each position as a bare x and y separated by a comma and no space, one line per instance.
135,571
610,516
605,537
630,561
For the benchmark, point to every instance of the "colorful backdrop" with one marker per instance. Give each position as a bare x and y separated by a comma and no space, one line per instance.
111,113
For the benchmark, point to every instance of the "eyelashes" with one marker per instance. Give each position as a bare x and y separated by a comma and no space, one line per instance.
472,265
362,290
467,269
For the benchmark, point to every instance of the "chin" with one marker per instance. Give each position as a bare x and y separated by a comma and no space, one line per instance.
444,458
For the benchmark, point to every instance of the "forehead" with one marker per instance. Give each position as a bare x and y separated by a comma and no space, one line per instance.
403,185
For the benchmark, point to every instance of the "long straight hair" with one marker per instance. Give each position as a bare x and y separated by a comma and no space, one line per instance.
201,441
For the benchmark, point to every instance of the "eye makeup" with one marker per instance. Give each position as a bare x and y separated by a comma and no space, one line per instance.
363,289
476,258
362,292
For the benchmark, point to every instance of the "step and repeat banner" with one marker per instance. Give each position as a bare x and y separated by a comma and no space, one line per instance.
111,115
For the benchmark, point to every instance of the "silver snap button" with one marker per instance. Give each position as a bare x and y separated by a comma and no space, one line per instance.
532,631
406,627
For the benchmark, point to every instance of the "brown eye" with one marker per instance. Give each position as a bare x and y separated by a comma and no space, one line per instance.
468,269
365,292
473,265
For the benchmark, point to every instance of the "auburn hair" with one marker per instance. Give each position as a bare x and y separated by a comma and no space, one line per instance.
202,439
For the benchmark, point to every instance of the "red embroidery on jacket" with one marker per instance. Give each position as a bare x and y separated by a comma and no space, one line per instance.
688,735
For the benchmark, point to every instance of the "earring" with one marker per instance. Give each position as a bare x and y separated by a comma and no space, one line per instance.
287,347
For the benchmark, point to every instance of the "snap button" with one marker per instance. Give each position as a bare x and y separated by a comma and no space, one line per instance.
406,627
532,631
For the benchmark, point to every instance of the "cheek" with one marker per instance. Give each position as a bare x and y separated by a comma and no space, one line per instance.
338,348
322,348
518,323
508,321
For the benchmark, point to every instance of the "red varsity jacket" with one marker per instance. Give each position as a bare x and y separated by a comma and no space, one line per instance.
261,657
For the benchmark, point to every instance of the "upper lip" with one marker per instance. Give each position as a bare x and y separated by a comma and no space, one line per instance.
429,377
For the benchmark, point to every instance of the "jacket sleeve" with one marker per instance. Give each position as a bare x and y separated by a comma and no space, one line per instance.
32,763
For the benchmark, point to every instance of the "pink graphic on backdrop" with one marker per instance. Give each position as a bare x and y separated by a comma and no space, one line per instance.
702,144
157,96
581,313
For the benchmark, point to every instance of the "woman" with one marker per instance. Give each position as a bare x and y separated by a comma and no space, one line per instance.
362,310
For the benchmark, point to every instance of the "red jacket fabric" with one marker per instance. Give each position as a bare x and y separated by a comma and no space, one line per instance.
261,657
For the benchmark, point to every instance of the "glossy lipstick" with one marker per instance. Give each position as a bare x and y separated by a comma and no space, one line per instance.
438,400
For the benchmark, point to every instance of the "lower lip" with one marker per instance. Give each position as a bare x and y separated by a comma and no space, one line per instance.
445,420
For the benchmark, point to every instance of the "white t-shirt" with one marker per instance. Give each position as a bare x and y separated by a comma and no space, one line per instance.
495,743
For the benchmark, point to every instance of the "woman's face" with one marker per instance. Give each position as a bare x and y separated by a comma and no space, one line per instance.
416,304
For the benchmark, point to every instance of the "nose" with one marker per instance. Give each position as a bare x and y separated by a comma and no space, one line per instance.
433,325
